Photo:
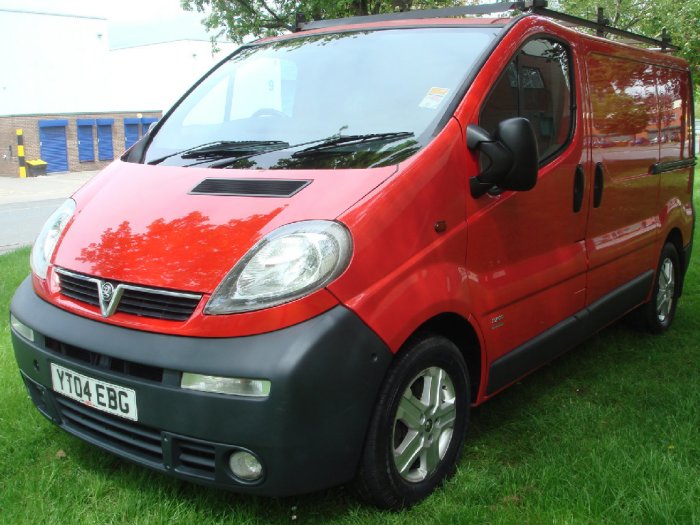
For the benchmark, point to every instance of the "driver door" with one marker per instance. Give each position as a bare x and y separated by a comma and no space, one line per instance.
526,250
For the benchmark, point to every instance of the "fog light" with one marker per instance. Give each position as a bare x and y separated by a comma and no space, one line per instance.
226,385
245,466
21,329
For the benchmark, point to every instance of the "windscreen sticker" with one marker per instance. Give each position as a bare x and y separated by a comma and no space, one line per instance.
433,98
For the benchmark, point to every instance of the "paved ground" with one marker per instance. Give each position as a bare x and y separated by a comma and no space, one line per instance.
61,186
25,204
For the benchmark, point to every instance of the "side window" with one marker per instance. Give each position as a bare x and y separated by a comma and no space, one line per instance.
536,85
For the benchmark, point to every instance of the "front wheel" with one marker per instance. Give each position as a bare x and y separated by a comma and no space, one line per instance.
417,429
657,315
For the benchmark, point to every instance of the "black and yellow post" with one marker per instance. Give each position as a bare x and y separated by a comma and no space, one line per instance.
20,154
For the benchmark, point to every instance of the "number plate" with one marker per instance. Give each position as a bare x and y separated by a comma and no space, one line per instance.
94,393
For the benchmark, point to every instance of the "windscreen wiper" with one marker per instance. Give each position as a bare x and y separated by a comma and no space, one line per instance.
225,149
339,142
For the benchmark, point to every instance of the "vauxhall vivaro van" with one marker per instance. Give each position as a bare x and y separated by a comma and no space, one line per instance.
341,239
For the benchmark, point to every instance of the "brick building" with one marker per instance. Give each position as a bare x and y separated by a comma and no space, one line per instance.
72,142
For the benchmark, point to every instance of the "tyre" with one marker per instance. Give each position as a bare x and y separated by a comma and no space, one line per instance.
418,426
657,315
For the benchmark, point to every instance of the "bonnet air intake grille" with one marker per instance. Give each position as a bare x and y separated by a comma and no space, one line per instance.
250,187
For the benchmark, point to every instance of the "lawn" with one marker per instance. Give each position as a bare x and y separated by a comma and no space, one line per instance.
609,433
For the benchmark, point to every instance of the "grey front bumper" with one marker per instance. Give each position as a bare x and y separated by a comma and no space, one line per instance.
309,433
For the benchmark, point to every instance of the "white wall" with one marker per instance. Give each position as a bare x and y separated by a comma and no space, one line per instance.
63,64
46,59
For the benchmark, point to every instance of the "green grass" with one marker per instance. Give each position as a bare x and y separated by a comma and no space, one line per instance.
609,433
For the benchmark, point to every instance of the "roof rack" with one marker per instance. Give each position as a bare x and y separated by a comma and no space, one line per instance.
601,26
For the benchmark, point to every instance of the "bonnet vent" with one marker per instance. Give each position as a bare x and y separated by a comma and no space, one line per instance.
249,187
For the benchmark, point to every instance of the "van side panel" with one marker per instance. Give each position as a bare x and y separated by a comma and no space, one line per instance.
675,170
623,221
674,108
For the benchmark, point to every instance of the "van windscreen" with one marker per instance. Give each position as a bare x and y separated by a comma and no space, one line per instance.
354,99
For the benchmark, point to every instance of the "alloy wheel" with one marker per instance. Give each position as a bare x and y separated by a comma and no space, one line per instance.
667,288
424,424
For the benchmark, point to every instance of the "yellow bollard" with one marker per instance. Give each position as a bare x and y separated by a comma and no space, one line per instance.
20,154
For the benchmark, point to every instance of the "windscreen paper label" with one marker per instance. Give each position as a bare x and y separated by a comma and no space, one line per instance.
433,98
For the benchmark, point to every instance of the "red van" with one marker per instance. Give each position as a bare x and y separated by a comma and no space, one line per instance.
341,239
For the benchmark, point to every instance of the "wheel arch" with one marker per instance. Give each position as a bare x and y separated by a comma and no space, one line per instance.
460,331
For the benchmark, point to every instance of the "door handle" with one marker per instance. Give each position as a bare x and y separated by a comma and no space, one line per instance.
598,185
579,185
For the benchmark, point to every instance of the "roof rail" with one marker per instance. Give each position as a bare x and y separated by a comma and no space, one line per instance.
601,25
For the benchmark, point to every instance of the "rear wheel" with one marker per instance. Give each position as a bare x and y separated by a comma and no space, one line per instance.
418,427
657,315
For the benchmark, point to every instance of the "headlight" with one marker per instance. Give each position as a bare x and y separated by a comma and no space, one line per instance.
286,264
48,237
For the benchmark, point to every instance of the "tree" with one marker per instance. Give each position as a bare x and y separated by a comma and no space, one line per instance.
650,17
240,19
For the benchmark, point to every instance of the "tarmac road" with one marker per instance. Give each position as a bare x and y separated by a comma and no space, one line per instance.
20,222
25,204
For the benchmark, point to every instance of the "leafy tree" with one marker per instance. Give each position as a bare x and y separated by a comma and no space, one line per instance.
650,17
241,19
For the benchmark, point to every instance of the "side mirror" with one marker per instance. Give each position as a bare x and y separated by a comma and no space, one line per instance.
512,153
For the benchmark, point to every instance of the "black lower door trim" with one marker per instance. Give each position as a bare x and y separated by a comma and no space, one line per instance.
568,333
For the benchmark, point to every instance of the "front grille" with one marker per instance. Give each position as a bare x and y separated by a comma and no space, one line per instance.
79,289
135,300
188,456
117,433
105,362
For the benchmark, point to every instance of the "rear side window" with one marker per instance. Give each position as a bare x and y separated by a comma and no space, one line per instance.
536,85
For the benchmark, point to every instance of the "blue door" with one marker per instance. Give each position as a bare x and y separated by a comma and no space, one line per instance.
105,148
53,146
131,132
86,141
